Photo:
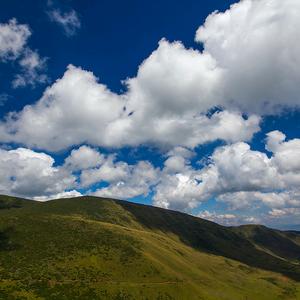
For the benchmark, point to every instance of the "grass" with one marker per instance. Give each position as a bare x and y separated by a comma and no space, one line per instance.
93,248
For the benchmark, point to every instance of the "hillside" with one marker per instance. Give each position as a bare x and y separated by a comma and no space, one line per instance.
94,248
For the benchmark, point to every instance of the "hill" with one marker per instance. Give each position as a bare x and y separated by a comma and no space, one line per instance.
95,248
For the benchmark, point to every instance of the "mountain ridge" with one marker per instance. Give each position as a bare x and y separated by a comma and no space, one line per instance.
91,228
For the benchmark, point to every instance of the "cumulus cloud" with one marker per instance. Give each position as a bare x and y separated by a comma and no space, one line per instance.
77,109
254,44
118,178
109,171
125,181
30,174
235,175
72,111
286,154
248,200
178,186
27,173
83,158
69,21
180,97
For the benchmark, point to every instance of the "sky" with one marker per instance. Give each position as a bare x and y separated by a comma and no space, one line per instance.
186,105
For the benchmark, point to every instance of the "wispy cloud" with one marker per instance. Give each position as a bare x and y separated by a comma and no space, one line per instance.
4,98
69,21
13,38
14,47
32,66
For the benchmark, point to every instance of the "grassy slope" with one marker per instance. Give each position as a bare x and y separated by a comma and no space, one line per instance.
89,248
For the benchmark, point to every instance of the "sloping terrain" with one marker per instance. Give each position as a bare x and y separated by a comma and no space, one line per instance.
94,248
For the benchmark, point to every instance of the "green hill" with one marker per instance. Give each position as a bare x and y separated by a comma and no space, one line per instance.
94,248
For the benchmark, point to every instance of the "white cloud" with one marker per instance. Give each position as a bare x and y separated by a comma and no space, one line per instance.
13,46
178,191
33,67
250,65
109,171
227,219
248,200
238,168
83,158
31,174
236,175
178,186
13,38
286,154
175,163
181,151
74,110
69,21
121,180
24,172
286,212
241,175
274,139
169,100
254,43
77,109
125,181
3,98
230,169
68,194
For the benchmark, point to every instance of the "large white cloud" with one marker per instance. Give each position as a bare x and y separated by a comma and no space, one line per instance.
255,44
73,110
77,109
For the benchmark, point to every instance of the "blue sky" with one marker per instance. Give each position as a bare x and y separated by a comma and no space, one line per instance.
191,106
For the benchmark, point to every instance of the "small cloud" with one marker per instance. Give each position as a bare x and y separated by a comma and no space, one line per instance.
14,47
69,21
13,38
66,194
32,66
3,98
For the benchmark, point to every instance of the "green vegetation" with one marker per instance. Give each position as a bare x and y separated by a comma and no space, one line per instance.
94,248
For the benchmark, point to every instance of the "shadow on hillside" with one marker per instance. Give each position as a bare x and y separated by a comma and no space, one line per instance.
211,238
5,240
10,202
